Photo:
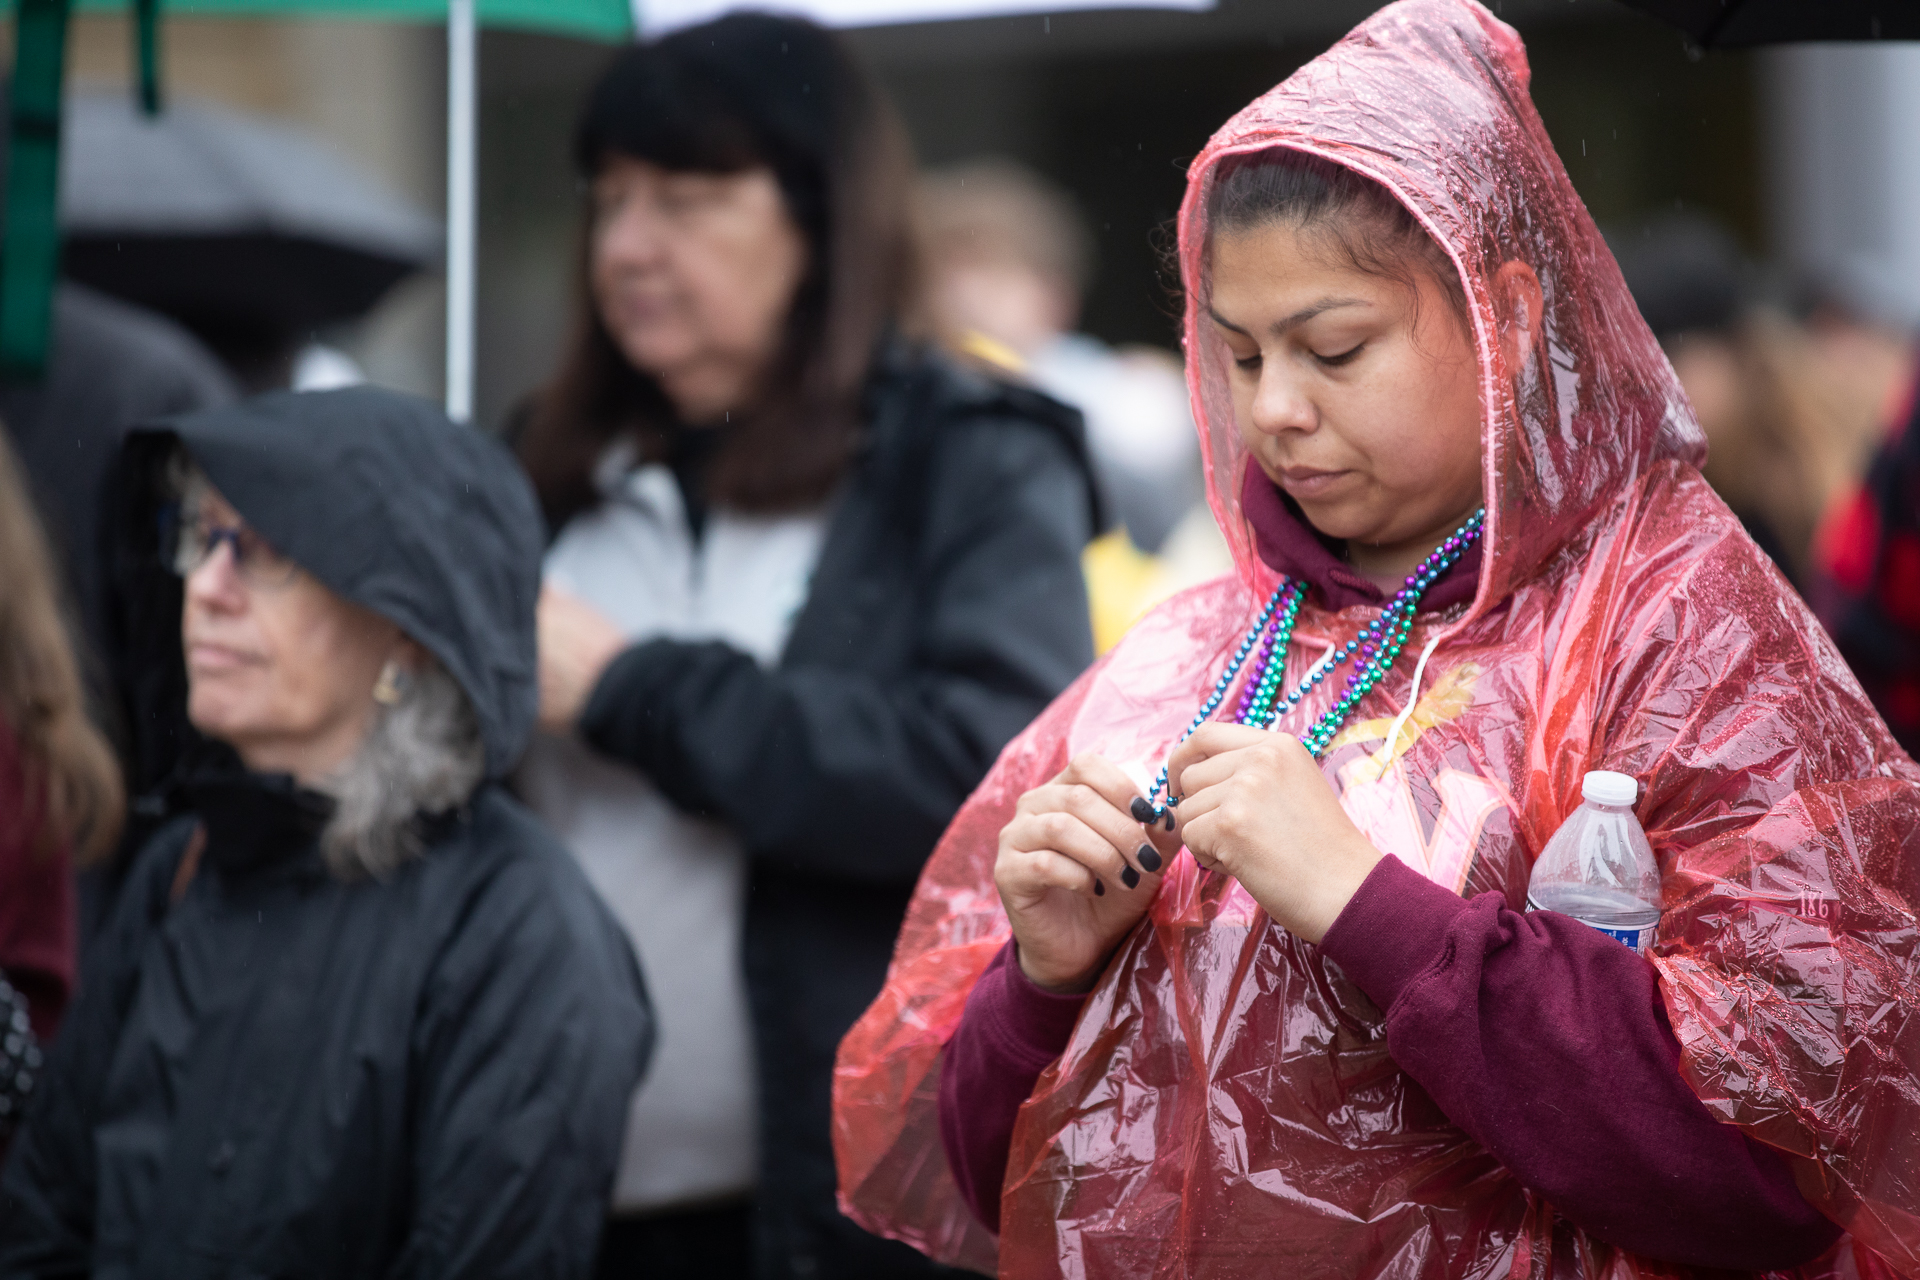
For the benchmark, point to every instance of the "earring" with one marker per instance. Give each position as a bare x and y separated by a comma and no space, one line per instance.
392,684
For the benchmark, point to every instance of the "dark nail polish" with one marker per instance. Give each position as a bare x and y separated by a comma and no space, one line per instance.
1099,890
1169,819
1130,878
1148,857
1142,811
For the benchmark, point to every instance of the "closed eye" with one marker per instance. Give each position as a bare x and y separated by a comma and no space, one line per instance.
1344,357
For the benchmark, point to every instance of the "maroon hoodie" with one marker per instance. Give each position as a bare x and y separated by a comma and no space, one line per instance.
1543,1039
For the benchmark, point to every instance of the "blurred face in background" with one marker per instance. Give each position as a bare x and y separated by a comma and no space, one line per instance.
1006,251
278,667
1000,297
693,275
1709,370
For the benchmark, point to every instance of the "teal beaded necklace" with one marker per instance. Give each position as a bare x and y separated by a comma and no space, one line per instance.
1373,652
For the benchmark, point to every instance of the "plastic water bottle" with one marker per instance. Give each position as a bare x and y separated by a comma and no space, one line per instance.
1599,868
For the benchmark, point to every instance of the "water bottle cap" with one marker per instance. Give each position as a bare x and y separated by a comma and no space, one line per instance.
1603,786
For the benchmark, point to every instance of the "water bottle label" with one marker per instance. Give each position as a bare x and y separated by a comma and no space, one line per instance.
1638,939
1632,939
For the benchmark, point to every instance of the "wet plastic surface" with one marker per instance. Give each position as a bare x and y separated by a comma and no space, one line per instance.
1227,1106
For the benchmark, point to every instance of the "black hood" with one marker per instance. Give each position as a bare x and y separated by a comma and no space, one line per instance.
388,504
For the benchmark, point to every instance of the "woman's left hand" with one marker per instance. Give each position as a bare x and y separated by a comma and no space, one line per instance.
1255,805
577,643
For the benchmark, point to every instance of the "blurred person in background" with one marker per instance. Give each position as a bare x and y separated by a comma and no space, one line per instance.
1863,326
808,578
355,1011
112,365
60,795
1009,258
1780,450
1810,438
1867,589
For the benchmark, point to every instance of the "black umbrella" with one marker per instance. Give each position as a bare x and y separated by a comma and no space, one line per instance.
1730,24
228,222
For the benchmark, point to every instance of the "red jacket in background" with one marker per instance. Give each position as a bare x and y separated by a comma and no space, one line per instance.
37,919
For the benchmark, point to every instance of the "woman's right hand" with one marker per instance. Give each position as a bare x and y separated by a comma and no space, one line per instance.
1064,868
577,644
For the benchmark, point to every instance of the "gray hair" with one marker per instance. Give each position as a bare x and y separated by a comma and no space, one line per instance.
423,753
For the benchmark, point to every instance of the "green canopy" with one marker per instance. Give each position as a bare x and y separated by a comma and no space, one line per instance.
594,19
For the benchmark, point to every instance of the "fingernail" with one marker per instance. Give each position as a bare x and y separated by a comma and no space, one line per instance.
1130,878
1169,819
1148,857
1142,811
1099,890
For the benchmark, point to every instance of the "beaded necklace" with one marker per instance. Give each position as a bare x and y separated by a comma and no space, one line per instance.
1373,651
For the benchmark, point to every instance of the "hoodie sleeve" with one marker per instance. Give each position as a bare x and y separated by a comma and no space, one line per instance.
837,771
1547,1042
1009,1033
534,1032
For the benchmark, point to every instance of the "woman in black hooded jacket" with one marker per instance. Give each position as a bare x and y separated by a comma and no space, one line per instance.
355,1012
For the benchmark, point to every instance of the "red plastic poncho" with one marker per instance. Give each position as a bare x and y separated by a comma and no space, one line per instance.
1623,621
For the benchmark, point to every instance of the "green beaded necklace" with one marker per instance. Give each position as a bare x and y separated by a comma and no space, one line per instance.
1373,651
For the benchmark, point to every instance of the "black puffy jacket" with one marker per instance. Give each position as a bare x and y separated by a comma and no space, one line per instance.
946,611
272,1071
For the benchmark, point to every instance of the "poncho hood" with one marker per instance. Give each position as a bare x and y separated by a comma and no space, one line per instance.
388,504
1227,1105
1429,99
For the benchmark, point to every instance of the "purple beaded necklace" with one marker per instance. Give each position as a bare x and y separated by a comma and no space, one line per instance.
1373,652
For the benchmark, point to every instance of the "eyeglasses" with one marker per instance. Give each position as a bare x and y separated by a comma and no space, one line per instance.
197,537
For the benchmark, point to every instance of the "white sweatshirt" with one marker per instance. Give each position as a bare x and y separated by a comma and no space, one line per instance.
677,883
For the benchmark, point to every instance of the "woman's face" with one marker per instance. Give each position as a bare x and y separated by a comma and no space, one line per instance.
1357,395
278,667
693,275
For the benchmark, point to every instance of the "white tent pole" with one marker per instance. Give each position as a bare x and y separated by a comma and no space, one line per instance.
462,55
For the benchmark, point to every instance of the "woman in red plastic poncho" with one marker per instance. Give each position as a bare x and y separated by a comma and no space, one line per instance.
1325,1041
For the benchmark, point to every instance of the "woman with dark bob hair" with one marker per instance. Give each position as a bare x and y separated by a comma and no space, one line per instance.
807,580
354,1011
